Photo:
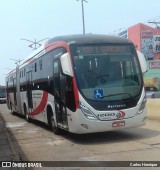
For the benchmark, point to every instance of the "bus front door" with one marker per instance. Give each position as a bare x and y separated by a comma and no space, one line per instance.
59,94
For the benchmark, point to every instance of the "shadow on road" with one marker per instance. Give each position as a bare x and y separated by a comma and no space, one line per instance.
131,134
112,136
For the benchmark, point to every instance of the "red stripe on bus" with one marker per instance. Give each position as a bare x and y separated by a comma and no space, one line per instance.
54,45
41,106
76,93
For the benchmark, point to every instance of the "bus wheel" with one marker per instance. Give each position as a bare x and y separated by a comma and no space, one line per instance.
52,122
26,114
54,127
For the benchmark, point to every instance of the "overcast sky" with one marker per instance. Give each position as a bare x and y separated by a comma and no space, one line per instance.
39,19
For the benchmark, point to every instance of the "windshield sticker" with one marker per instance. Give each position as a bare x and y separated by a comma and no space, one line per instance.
98,93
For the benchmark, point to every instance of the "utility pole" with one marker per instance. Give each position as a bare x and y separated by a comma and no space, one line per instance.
16,61
156,23
83,21
35,44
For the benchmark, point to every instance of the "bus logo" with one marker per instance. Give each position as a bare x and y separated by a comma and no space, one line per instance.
116,106
120,115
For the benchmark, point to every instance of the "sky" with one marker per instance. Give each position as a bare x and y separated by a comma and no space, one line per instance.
41,19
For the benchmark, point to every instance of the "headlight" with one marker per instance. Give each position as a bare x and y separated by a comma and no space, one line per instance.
88,114
143,104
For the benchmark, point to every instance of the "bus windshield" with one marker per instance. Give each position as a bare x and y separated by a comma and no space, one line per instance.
107,72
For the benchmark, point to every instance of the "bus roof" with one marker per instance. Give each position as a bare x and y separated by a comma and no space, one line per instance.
88,39
74,39
77,39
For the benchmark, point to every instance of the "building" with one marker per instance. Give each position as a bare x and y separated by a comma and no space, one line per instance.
147,40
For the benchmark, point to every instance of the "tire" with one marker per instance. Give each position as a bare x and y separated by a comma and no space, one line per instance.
26,114
52,122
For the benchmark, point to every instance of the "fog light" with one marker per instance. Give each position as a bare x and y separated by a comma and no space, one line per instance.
84,126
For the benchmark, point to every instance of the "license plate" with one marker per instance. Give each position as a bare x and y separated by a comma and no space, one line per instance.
118,124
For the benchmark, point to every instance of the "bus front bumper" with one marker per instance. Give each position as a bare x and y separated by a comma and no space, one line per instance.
82,125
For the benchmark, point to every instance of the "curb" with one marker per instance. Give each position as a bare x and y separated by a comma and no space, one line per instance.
16,156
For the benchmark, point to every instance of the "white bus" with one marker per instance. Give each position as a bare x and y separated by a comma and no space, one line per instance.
80,83
2,94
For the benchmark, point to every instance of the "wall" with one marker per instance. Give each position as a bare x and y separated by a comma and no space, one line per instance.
134,35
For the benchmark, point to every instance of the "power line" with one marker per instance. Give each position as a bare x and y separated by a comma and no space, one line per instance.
156,23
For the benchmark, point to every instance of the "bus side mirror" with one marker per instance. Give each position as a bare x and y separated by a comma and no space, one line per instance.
142,61
66,65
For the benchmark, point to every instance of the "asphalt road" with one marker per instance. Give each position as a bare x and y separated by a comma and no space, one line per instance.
35,142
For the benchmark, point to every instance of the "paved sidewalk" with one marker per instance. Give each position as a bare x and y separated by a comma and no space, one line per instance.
7,150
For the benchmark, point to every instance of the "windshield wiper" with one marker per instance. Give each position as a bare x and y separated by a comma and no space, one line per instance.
99,76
